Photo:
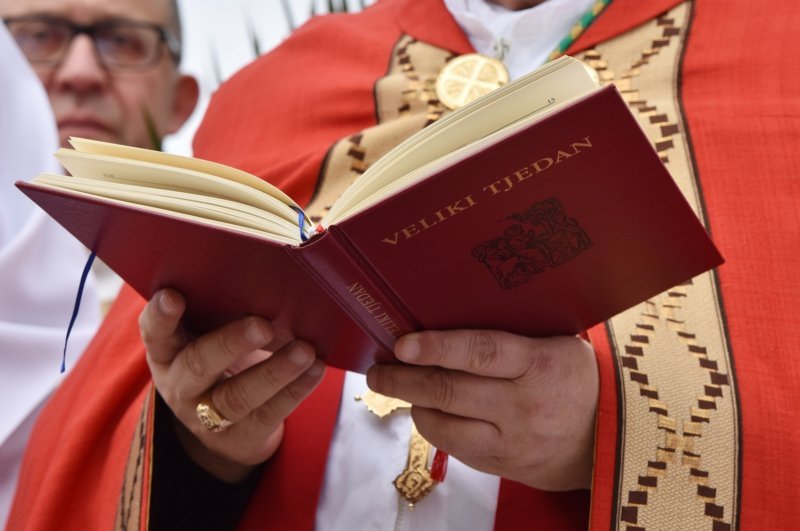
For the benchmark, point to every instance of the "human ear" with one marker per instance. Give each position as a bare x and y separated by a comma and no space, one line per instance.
187,92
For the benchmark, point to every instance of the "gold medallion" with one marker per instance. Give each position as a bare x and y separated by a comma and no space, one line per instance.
468,77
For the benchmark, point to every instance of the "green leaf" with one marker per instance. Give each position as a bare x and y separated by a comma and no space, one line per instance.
152,131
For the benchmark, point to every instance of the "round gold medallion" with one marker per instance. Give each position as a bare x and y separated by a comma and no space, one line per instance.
468,77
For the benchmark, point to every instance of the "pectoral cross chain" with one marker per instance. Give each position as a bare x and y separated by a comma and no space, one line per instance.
415,482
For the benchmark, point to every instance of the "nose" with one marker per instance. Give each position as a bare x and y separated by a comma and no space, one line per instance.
80,71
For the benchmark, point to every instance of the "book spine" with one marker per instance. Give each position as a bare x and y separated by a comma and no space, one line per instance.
338,268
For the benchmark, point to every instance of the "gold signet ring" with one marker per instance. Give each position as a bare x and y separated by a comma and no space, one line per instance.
467,77
210,417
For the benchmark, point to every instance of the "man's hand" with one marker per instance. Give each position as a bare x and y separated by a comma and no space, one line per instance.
517,407
254,389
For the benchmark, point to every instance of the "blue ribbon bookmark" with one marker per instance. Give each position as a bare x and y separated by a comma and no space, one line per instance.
77,307
301,221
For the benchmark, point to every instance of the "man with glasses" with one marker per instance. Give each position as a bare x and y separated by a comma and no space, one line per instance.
110,71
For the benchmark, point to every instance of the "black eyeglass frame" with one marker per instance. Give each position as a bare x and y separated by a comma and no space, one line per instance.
165,36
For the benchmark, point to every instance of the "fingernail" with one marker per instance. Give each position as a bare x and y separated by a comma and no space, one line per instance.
315,370
299,356
255,333
407,348
165,303
372,377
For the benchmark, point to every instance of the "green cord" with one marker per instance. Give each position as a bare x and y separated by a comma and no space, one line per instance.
578,29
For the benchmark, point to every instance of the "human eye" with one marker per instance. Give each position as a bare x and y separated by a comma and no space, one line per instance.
38,38
126,45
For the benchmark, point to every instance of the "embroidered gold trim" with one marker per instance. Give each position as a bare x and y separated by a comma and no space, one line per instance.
679,443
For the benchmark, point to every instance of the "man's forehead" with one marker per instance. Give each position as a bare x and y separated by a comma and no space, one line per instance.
88,11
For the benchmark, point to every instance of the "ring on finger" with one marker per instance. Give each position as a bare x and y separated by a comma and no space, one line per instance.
208,415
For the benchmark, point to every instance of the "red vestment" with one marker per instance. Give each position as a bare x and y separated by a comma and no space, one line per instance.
737,96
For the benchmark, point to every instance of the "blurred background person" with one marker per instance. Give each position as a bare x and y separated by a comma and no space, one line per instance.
110,72
40,264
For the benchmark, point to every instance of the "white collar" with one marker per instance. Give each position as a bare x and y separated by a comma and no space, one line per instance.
523,38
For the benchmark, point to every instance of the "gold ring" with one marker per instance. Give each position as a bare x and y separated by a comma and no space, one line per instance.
209,416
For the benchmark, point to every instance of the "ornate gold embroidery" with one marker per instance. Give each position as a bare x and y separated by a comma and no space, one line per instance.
415,482
381,405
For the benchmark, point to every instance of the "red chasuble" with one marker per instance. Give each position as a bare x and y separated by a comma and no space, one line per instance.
697,417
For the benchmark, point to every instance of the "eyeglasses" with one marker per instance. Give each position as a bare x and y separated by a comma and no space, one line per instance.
119,43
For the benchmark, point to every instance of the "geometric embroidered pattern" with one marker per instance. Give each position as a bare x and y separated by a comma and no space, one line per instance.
624,82
679,441
420,87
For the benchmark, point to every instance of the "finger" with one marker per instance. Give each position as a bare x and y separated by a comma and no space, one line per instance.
287,400
483,352
237,397
247,361
159,325
256,437
201,363
455,392
460,437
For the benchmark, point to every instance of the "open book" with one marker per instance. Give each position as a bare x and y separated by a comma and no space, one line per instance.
540,208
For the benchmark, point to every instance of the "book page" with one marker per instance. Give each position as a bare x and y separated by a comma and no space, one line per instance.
201,206
147,174
177,161
171,212
543,90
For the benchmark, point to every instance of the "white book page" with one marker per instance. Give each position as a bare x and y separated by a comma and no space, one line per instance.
172,213
178,161
146,174
214,209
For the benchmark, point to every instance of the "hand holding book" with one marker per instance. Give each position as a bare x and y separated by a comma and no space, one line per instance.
251,389
540,209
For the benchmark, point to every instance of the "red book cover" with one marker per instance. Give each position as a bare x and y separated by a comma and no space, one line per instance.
548,231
